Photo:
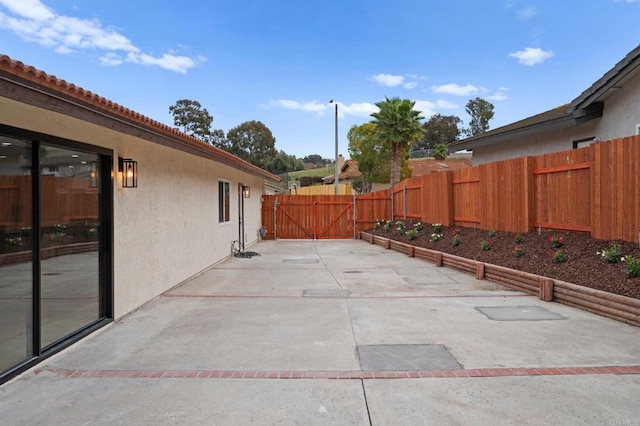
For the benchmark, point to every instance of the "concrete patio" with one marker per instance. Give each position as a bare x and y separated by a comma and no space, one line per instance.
338,333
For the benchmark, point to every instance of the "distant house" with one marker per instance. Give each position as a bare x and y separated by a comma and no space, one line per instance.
349,171
103,209
609,109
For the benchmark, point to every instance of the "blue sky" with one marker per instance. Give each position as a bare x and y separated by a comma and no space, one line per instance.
281,61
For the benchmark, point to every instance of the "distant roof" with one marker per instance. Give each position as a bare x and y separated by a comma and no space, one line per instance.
11,69
583,108
431,165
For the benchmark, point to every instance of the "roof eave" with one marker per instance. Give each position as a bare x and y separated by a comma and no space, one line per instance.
556,124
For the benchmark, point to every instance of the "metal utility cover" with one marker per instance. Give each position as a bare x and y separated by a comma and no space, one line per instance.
406,358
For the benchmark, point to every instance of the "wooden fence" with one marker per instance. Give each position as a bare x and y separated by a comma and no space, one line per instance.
594,189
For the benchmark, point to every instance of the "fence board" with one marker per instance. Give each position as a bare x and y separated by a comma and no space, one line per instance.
594,189
563,190
465,187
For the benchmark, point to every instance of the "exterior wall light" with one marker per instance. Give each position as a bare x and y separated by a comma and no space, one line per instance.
129,170
246,191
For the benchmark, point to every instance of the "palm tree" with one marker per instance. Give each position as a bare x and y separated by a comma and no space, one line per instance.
398,126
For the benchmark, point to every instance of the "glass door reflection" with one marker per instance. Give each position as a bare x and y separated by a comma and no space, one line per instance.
69,249
16,254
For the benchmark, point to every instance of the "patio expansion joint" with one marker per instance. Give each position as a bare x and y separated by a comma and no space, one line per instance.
340,374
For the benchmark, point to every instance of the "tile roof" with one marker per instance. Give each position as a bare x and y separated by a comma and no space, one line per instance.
88,98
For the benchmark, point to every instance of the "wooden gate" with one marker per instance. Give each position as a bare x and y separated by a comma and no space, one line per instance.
308,216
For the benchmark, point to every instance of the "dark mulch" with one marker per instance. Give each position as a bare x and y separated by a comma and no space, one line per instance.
582,266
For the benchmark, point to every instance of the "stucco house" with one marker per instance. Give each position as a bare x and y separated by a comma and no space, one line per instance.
101,210
609,109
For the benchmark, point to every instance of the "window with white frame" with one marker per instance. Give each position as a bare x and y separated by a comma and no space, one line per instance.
224,201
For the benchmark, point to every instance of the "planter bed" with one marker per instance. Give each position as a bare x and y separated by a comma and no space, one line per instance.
614,306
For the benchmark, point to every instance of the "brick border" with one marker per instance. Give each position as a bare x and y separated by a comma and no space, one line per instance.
342,374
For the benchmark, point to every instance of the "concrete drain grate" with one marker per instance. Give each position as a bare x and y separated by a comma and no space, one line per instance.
338,293
301,261
519,313
428,357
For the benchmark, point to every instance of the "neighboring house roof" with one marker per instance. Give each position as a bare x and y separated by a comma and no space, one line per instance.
587,106
431,165
348,171
33,78
421,167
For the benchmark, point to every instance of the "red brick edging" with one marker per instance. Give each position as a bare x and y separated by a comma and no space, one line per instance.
345,374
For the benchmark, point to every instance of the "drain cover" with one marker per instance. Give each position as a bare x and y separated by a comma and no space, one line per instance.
407,358
519,313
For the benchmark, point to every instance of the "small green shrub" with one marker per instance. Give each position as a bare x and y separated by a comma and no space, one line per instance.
632,266
612,254
485,245
492,233
387,226
412,234
437,228
519,239
558,256
556,242
435,237
456,240
518,252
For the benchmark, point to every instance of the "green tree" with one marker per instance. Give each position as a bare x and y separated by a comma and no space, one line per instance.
439,129
371,154
284,163
440,151
219,139
398,126
252,141
481,112
191,118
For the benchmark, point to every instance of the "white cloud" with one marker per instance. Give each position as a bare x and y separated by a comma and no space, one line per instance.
30,9
427,108
527,12
388,80
35,22
498,97
532,55
440,104
311,106
110,59
456,90
363,109
410,85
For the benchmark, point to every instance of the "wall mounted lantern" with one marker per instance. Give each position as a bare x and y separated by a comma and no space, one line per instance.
246,191
129,170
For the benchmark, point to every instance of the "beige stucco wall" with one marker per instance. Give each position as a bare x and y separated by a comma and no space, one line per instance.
167,229
621,112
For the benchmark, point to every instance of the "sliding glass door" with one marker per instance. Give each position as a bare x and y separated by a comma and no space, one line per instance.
55,245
